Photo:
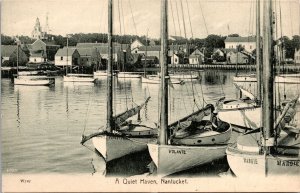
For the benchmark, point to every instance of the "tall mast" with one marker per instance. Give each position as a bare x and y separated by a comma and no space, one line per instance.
109,125
258,57
164,73
268,91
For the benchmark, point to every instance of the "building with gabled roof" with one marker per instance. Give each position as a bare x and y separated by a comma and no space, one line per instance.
9,55
248,43
197,57
67,57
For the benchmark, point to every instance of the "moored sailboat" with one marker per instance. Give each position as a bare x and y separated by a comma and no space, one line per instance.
119,137
274,149
194,140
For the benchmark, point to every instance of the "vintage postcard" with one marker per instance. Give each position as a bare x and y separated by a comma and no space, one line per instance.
150,95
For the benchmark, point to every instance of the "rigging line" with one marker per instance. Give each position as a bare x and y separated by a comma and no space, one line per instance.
122,13
291,19
282,45
119,14
132,18
86,113
278,60
170,2
183,19
178,18
188,9
195,102
203,17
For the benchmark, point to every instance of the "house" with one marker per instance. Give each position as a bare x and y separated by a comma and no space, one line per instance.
135,45
151,51
37,56
234,57
248,43
297,56
121,52
196,57
42,51
67,57
9,55
89,57
177,59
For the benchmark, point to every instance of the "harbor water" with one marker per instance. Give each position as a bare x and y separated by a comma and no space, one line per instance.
42,126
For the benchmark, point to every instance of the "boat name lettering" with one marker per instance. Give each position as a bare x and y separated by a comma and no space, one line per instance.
177,151
250,160
288,163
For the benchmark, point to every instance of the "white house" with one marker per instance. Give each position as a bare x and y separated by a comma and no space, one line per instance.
248,43
297,56
67,57
177,59
135,45
196,57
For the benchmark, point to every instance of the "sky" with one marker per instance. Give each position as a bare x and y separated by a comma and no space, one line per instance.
221,17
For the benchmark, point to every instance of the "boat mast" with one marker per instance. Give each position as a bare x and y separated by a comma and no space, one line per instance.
258,57
268,91
164,73
109,124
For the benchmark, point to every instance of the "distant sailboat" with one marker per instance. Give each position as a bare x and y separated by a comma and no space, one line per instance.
30,78
120,137
194,140
274,149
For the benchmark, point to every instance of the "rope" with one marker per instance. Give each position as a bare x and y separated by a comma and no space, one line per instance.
189,17
178,18
170,2
132,17
183,19
203,17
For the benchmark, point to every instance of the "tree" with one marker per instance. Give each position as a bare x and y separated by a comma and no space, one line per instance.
6,40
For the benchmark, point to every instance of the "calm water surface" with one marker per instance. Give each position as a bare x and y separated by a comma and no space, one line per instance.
42,126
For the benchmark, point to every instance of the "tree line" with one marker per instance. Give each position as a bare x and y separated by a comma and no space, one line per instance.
208,44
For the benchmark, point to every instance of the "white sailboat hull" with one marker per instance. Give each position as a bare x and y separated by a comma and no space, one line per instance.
255,165
184,76
33,81
156,80
171,159
112,147
128,75
102,73
78,79
249,117
294,79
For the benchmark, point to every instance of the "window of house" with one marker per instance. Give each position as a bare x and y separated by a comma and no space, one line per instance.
175,59
250,47
62,58
35,60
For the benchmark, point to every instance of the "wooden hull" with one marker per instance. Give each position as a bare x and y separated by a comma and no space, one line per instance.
255,165
156,80
113,146
184,76
128,75
171,159
245,117
78,79
102,73
278,79
33,82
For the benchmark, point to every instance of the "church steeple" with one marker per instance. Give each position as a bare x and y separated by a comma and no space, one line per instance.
37,32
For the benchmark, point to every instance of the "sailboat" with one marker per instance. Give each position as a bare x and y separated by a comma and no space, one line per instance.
70,77
245,112
120,137
30,78
196,139
273,149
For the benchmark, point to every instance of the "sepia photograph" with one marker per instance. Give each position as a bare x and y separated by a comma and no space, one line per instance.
150,95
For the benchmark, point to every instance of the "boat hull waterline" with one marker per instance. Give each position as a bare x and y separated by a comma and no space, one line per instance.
171,159
114,146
